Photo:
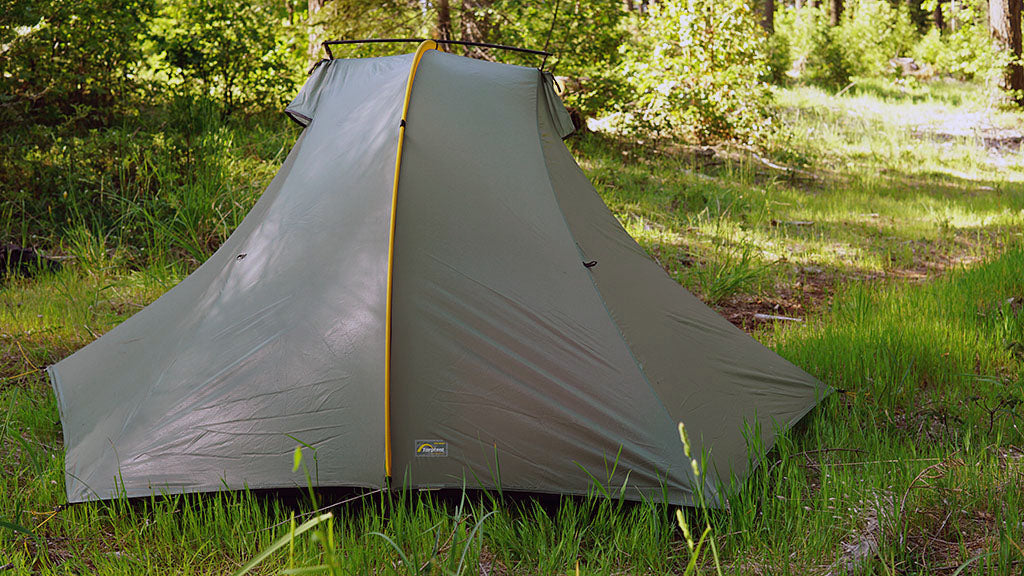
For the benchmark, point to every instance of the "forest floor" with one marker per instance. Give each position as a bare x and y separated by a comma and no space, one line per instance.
876,242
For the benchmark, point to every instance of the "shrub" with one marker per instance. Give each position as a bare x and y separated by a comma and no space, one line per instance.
237,53
59,56
966,52
871,32
780,58
819,58
584,42
699,69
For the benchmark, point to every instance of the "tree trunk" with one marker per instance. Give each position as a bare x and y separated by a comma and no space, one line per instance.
316,31
768,17
444,23
937,18
1004,21
473,26
835,10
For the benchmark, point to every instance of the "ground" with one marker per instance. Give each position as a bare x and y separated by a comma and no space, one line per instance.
875,241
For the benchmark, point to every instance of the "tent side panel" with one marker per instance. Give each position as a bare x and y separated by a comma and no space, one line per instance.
277,339
507,368
708,373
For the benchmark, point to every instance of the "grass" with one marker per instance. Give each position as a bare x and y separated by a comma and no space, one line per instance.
888,219
880,182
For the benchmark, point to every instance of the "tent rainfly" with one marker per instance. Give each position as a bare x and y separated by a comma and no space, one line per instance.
431,294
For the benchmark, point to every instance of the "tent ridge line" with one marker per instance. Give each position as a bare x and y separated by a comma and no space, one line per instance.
420,51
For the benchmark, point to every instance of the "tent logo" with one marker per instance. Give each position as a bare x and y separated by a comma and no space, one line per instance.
431,448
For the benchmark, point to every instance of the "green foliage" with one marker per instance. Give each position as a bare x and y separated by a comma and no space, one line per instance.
818,56
871,32
238,53
356,19
966,52
699,69
780,58
585,41
169,184
64,56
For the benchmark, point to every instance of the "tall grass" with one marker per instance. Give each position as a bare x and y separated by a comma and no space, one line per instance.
914,466
167,185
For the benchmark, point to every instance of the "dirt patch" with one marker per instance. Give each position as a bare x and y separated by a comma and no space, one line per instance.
974,126
794,302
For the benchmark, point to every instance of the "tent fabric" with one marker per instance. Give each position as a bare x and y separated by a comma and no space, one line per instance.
513,362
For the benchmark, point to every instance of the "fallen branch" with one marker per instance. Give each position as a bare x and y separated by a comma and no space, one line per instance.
781,168
760,316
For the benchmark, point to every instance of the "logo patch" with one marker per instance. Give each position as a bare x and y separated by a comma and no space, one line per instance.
431,448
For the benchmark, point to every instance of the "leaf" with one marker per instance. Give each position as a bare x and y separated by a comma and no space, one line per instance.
296,458
281,542
16,528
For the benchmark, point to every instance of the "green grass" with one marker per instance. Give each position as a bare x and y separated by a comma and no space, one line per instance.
876,183
882,218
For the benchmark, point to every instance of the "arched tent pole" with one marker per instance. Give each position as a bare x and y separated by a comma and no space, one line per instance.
424,46
327,45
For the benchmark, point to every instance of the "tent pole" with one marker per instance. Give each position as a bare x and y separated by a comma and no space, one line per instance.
327,44
424,46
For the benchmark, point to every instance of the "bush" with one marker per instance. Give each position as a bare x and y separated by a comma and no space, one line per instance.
237,53
699,69
819,58
872,32
966,52
780,58
584,42
60,56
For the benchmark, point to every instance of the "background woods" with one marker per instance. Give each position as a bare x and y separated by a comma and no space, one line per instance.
118,114
123,118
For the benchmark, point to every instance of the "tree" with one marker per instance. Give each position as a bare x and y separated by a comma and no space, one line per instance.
699,70
474,26
768,17
361,19
316,30
835,11
236,53
443,30
1004,17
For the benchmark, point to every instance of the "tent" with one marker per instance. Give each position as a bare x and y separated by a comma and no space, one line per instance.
470,314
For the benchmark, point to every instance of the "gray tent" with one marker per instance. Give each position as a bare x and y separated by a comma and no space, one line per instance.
534,343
